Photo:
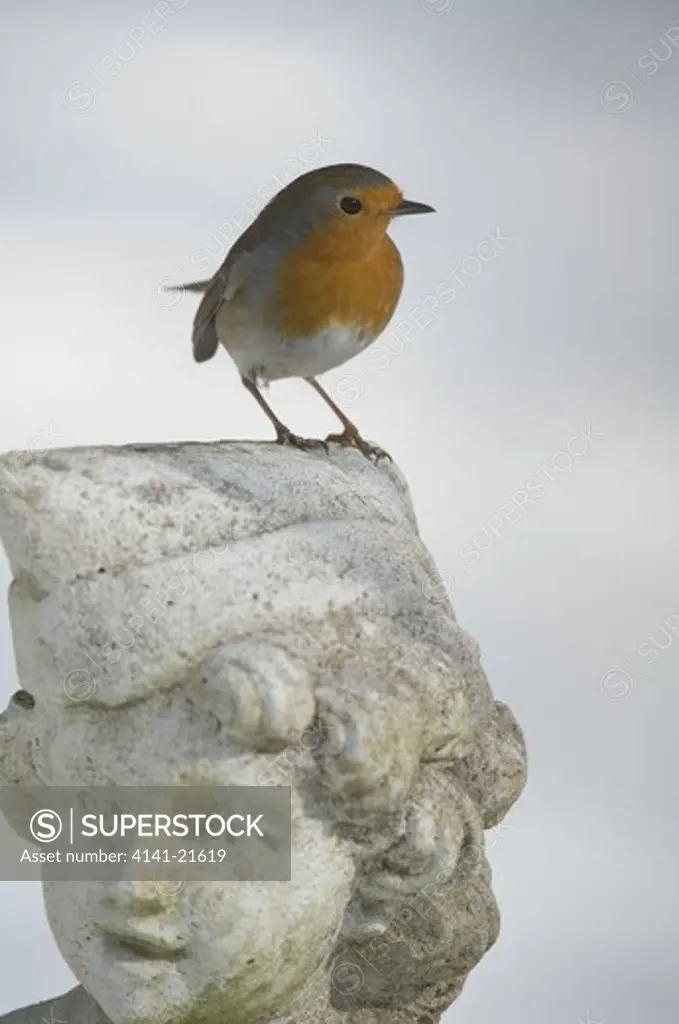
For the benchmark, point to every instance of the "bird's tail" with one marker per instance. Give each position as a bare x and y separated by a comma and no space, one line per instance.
192,286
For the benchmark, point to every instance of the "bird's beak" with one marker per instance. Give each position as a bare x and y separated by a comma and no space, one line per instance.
409,206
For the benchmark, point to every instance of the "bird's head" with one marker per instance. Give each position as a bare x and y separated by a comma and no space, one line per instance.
346,208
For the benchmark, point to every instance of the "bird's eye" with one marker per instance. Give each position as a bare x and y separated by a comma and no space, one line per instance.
350,204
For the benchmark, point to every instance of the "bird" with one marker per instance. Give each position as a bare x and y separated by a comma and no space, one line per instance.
311,283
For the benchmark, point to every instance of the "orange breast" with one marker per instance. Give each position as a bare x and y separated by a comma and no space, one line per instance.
353,284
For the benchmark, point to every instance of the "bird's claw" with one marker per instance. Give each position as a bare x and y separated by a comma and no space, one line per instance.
371,451
305,444
354,440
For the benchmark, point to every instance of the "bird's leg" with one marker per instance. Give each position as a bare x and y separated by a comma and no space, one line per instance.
283,434
350,434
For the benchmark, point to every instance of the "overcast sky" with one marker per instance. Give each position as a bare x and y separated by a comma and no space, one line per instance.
131,152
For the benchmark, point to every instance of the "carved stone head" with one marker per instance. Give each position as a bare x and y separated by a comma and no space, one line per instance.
240,615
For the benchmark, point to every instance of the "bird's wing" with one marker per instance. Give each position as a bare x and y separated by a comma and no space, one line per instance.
227,284
205,340
248,259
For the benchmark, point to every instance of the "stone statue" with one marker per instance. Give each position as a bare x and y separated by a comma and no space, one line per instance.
244,614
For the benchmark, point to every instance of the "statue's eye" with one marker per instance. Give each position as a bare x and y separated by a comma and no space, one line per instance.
350,204
24,699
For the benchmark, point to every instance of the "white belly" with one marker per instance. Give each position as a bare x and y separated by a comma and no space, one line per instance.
260,353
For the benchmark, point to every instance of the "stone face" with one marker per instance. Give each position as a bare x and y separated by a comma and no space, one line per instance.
244,614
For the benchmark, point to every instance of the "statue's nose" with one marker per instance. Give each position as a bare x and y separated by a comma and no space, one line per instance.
138,899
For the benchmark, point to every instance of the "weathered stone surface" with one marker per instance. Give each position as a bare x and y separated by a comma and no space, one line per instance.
244,614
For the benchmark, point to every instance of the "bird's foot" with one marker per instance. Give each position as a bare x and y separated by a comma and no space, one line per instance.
305,444
352,439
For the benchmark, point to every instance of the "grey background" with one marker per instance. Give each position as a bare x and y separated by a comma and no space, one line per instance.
500,115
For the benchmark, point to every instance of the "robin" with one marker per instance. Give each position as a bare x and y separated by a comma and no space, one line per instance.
311,283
